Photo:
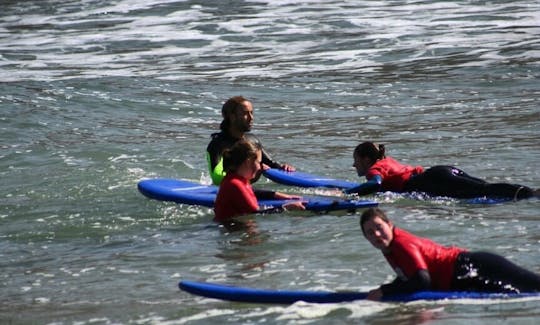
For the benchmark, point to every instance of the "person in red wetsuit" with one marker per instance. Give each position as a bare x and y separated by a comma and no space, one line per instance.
386,174
421,264
236,197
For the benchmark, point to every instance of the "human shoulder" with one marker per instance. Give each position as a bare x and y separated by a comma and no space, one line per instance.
220,140
251,137
233,180
218,136
402,234
380,167
386,162
404,240
383,166
407,252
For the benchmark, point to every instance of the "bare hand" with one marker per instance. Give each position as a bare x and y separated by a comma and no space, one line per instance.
288,168
375,295
294,205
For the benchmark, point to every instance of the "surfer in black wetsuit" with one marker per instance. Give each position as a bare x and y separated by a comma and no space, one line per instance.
237,121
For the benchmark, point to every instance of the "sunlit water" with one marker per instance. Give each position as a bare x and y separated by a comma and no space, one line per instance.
96,95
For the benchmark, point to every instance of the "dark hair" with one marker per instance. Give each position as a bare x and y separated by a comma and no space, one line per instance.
370,214
231,106
238,153
370,150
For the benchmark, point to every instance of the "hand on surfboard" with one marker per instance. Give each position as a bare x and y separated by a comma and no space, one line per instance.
375,295
284,167
295,204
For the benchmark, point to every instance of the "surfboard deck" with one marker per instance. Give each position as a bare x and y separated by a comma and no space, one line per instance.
186,192
302,179
254,295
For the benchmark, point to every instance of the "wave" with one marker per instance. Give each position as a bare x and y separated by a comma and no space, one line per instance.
271,39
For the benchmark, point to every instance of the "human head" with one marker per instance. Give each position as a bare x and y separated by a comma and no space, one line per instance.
377,228
237,115
365,155
243,156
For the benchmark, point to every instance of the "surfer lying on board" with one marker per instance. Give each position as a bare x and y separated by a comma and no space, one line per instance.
236,197
237,121
422,264
386,174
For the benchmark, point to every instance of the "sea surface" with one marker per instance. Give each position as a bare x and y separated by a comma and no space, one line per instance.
97,95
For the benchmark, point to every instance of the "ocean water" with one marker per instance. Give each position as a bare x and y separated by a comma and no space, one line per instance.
96,95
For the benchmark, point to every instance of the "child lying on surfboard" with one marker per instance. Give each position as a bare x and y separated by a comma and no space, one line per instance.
384,173
422,264
236,197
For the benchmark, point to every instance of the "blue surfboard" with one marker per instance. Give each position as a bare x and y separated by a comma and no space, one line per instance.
186,192
302,179
253,295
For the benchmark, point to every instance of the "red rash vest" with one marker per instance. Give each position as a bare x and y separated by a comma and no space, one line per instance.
235,198
394,174
410,254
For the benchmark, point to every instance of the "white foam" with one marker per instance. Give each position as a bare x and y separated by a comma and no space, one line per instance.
277,39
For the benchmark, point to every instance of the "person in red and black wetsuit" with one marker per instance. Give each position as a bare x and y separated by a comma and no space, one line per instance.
235,196
386,174
237,121
421,264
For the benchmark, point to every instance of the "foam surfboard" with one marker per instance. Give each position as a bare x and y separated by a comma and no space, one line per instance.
302,179
254,295
186,192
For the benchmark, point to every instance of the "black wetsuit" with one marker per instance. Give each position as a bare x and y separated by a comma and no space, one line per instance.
474,272
453,182
488,272
222,141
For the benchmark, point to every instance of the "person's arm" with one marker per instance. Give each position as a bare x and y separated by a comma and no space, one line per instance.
266,158
407,259
274,164
214,158
371,186
273,195
295,201
215,168
264,194
292,205
419,282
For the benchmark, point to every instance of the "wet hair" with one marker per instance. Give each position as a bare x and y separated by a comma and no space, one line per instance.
231,106
371,150
370,214
241,151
